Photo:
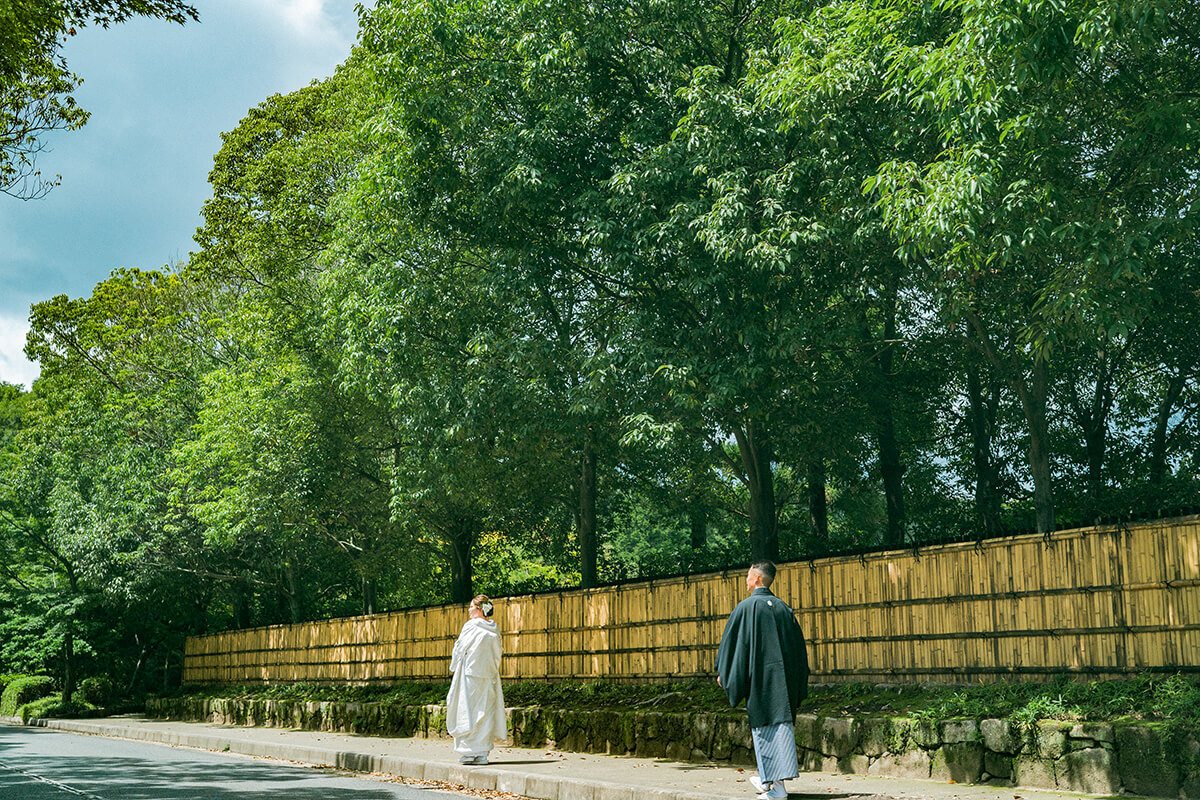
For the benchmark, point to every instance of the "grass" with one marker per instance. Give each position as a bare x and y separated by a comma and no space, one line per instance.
582,695
1173,699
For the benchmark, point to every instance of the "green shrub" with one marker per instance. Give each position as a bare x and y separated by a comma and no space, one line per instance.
1173,699
97,690
22,690
52,706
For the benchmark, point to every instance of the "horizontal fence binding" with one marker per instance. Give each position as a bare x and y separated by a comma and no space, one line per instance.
1005,602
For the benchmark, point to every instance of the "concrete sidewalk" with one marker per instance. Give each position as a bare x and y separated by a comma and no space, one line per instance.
542,774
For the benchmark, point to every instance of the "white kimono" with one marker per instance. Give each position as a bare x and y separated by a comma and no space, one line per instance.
475,704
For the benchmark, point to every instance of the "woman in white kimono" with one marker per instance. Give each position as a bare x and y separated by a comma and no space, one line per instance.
475,704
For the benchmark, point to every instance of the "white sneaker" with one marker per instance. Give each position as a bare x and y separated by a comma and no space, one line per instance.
776,791
758,784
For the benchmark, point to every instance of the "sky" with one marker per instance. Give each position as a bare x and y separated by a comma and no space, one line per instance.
134,178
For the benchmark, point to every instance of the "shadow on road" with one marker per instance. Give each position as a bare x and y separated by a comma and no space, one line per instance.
115,768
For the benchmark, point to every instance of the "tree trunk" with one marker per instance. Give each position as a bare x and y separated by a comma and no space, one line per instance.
587,511
241,604
364,564
68,684
1034,400
891,470
879,400
697,517
1158,437
369,595
981,416
755,449
818,509
1095,442
1033,394
69,664
1094,424
462,545
291,592
698,523
137,668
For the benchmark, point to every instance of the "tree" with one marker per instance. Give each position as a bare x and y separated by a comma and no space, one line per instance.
762,179
1067,166
502,165
90,507
305,490
35,83
626,65
465,461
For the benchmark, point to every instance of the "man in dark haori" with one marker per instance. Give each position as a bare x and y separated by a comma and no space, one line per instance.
762,660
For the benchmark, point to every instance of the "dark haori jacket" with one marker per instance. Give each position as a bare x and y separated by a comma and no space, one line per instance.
762,659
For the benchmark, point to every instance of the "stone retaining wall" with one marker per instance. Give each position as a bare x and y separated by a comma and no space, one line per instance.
1093,758
1089,757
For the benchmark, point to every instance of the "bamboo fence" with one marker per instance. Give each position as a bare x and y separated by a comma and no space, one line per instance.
1095,601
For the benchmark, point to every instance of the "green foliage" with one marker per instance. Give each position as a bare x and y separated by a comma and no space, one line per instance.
1171,699
1041,707
675,696
1168,698
35,84
405,693
51,706
672,696
535,294
6,679
97,690
644,539
23,689
509,567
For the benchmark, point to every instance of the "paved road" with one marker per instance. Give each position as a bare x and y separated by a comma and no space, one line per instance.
37,764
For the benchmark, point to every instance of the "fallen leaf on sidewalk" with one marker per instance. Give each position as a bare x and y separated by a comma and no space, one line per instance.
481,794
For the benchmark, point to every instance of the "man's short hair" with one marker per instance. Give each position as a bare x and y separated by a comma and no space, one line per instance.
766,569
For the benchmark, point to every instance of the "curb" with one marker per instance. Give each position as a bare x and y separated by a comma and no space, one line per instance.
539,787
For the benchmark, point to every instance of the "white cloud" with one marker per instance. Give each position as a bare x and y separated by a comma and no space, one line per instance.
320,27
14,368
306,18
296,41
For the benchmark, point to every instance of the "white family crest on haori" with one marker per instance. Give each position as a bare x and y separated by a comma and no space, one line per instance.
475,704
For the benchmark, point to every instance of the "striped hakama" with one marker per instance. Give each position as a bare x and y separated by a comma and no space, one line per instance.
775,751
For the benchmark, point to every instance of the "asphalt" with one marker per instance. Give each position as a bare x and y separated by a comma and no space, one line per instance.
535,773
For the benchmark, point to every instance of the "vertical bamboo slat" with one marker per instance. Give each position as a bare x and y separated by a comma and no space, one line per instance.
1092,601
